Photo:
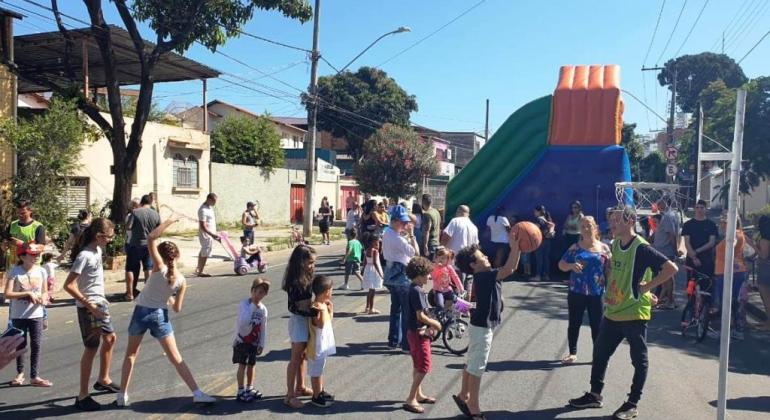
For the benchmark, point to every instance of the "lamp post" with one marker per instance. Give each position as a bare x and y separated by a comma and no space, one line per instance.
401,29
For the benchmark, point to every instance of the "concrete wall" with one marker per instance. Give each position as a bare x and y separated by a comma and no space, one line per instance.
154,170
7,106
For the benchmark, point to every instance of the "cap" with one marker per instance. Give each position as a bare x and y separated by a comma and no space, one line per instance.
399,213
27,248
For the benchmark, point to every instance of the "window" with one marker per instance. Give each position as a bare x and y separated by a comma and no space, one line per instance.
448,154
185,171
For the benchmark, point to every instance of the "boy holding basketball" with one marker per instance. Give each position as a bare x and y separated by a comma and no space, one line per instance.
486,291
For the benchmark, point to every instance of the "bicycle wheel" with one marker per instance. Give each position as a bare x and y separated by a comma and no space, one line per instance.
688,314
703,321
456,338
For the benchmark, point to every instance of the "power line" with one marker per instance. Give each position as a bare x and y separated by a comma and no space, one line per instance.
673,31
654,32
432,33
706,3
742,23
730,24
242,32
258,71
755,46
750,24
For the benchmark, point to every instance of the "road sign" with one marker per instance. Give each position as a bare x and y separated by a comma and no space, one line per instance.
671,153
671,169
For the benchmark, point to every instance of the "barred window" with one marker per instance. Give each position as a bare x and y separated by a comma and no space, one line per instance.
185,171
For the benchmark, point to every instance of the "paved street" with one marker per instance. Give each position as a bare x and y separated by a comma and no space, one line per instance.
524,379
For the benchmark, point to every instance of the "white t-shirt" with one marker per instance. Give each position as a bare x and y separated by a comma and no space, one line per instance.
206,215
396,248
24,281
50,270
156,291
498,227
352,219
463,232
88,266
251,324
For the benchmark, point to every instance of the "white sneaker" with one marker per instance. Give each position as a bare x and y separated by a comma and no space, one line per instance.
122,400
204,399
344,287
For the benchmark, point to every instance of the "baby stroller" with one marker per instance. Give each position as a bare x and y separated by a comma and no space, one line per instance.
242,265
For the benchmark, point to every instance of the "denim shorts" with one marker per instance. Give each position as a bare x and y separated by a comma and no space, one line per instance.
153,319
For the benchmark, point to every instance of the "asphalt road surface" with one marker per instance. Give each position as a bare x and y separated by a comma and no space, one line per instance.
525,379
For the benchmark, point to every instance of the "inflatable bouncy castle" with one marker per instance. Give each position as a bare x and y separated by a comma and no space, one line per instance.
552,151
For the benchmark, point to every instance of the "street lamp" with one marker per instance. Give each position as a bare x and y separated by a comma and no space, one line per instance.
401,29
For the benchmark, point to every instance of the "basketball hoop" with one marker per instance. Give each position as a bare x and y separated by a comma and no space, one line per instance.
644,196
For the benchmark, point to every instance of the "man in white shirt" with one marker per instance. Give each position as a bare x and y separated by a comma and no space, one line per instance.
460,232
207,232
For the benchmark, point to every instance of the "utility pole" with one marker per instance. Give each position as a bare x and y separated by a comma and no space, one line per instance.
697,156
486,124
312,132
671,167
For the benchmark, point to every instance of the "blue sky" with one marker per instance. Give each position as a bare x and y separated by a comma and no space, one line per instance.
505,50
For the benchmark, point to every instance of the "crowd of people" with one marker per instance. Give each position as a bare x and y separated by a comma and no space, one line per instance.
618,277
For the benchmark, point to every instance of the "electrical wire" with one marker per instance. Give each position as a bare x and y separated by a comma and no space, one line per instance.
742,23
747,30
673,31
730,24
753,47
697,19
654,33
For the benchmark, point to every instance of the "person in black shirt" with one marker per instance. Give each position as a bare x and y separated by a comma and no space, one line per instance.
419,328
487,293
700,238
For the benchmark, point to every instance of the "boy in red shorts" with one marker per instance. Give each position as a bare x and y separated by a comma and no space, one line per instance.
418,331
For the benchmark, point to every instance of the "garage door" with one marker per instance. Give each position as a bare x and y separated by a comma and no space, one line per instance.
296,203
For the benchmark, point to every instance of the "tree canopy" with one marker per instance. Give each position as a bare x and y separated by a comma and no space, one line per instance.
244,140
631,141
396,159
695,72
352,105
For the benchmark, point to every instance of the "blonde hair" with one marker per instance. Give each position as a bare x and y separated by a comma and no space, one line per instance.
594,226
261,283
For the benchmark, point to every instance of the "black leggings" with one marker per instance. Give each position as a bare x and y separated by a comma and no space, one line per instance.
34,329
577,304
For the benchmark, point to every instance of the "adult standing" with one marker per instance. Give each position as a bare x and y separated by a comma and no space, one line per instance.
431,227
572,223
207,233
23,230
135,204
587,262
498,233
153,201
763,267
399,245
543,252
460,232
82,222
352,220
666,241
368,221
700,238
417,212
143,221
324,220
249,220
381,215
739,275
627,309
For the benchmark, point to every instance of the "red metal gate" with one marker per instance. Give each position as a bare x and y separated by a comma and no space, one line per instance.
296,203
346,193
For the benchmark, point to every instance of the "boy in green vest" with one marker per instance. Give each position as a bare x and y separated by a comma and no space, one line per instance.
23,231
635,269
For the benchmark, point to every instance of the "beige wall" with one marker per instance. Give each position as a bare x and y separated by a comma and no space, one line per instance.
154,170
759,198
7,106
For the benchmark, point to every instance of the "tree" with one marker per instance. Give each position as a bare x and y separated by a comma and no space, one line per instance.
48,149
178,24
243,140
396,159
652,168
631,141
352,105
695,72
718,102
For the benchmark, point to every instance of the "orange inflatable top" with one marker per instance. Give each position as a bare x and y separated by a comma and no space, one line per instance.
587,109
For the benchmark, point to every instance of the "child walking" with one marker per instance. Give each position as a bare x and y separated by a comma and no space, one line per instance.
445,279
165,287
85,283
249,338
27,289
420,327
373,275
486,291
320,344
297,283
353,260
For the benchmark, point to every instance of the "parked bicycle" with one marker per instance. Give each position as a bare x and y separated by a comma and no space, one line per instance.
454,329
698,313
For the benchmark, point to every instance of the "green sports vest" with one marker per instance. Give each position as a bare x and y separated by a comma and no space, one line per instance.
619,301
22,233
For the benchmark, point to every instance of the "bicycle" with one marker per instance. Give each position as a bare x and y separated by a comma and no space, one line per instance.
454,329
296,237
697,314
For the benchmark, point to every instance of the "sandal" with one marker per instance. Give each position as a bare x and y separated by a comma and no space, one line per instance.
40,382
204,275
304,392
293,402
427,400
17,381
417,409
569,359
462,405
480,416
374,312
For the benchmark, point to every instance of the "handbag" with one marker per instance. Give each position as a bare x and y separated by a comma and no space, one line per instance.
749,252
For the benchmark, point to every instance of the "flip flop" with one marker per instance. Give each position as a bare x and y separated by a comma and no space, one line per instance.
16,382
40,382
374,312
413,408
293,402
305,392
462,405
427,400
570,359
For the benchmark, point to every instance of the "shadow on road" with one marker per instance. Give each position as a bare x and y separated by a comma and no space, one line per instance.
758,404
360,349
517,365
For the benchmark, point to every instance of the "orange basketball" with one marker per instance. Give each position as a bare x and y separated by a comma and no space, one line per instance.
529,236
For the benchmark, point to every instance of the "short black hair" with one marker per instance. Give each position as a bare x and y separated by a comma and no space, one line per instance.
211,196
145,200
321,284
418,266
23,204
701,202
465,257
353,233
82,215
427,198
